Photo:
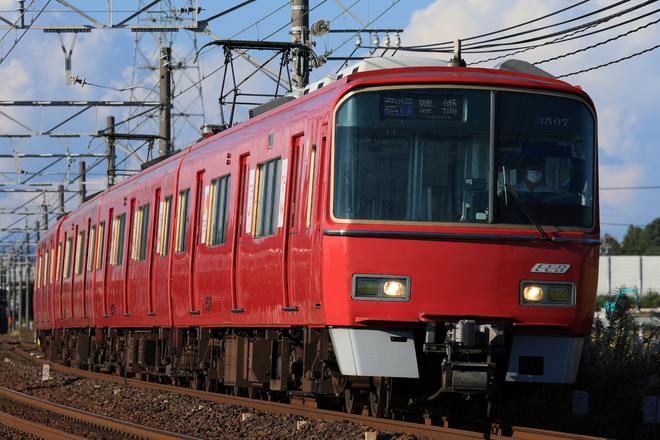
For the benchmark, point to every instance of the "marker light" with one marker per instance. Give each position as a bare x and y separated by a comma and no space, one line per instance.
381,287
394,288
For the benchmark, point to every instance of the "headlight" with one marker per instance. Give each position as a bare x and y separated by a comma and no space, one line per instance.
532,293
381,287
547,293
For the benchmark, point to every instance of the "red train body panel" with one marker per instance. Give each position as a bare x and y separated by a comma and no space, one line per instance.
303,216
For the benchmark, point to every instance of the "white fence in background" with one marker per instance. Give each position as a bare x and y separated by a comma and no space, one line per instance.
638,271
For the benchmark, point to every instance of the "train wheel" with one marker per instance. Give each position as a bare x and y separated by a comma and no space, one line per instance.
253,393
210,385
491,408
379,396
238,392
198,382
353,401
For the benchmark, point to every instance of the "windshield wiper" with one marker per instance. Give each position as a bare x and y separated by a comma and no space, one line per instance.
524,210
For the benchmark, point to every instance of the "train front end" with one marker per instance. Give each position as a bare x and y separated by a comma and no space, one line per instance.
461,246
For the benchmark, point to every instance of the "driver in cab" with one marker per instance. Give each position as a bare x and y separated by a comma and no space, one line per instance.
532,175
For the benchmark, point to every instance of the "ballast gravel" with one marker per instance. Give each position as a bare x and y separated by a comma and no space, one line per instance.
171,411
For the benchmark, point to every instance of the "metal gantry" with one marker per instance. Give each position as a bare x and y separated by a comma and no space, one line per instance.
43,147
38,139
111,139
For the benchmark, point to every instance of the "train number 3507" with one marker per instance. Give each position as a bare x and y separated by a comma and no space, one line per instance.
548,121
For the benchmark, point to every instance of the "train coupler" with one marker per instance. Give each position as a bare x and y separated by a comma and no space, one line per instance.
467,377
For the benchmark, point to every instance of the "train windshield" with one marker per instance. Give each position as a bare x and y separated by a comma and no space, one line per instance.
464,156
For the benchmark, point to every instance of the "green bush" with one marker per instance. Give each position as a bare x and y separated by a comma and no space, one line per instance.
618,369
650,300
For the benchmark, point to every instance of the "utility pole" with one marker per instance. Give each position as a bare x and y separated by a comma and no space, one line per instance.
82,178
299,34
44,215
110,149
60,197
165,88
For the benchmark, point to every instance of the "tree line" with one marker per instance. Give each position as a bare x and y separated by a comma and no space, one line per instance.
637,241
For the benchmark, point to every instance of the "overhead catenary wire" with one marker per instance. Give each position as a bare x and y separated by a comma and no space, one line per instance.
562,39
601,43
586,25
471,38
363,29
22,27
449,44
609,63
480,47
628,187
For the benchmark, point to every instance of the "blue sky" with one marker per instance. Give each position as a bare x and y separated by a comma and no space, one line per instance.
625,93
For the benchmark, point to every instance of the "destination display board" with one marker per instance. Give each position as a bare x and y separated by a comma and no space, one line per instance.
449,108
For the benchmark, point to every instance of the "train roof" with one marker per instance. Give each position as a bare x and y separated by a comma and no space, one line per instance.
377,63
383,63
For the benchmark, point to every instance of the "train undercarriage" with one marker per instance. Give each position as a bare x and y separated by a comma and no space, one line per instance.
296,365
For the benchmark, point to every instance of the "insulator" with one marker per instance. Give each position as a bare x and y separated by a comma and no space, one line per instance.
320,27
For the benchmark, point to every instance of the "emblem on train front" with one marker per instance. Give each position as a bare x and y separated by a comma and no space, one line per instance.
550,268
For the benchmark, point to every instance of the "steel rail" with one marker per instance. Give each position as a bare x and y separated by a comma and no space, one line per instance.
131,430
433,432
35,429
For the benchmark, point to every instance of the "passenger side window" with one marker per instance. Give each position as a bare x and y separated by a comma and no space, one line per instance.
99,246
67,257
219,211
182,221
140,233
164,216
90,248
268,194
117,243
80,253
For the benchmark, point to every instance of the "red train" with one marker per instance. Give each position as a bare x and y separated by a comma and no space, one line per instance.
402,233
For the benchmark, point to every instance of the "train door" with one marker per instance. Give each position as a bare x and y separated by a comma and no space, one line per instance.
196,240
139,261
301,263
65,282
69,277
186,245
78,276
46,291
127,306
115,269
89,268
295,255
153,252
239,229
101,267
160,299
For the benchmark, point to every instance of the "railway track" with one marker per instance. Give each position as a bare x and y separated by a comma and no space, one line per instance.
49,420
304,409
